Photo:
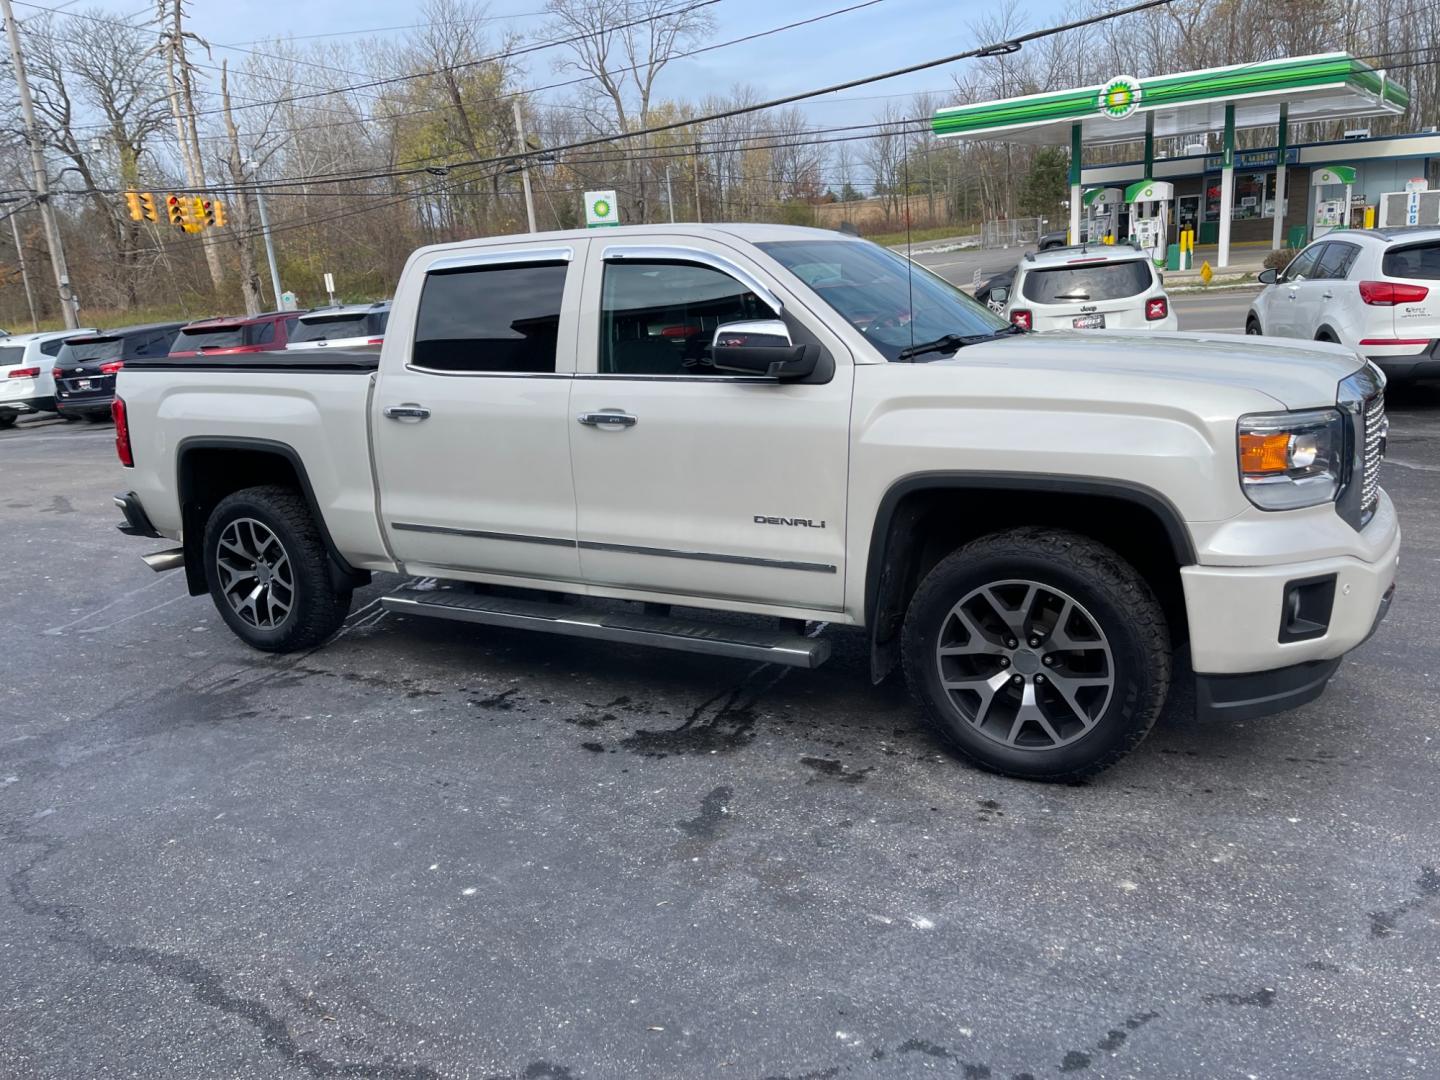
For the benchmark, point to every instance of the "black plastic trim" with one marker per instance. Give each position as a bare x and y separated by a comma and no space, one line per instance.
137,522
1262,693
1180,543
269,446
1314,628
338,362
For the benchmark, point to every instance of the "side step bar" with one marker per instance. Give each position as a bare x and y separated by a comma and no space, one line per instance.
716,639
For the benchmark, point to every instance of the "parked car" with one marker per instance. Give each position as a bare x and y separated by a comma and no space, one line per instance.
1375,290
1061,238
226,335
86,366
807,429
27,376
1087,287
354,326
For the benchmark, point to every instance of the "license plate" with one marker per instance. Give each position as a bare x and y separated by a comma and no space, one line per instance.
84,384
1088,322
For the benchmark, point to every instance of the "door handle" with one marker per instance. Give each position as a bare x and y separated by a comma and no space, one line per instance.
1327,296
608,419
407,412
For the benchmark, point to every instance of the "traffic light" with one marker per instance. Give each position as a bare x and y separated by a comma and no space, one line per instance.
147,207
132,200
217,214
196,216
174,211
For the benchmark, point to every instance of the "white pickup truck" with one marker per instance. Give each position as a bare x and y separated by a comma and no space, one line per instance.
799,426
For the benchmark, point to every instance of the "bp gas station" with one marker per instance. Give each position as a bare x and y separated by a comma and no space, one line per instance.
1280,194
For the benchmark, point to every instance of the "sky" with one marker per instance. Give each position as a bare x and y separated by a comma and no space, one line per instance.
887,35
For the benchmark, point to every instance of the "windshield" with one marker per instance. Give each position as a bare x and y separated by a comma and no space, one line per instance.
76,352
1095,281
872,288
351,324
12,355
193,339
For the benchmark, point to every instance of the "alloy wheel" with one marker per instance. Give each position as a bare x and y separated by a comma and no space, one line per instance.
1025,664
256,576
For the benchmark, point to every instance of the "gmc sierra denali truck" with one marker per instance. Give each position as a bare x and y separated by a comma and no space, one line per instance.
804,427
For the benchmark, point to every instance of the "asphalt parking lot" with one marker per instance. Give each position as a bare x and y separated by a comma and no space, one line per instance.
434,850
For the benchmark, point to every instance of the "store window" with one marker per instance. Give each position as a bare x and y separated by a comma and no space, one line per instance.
1253,192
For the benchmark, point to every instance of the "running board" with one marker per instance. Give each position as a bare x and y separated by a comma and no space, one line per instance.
632,628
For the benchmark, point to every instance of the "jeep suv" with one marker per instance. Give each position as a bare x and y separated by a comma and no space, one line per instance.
1087,287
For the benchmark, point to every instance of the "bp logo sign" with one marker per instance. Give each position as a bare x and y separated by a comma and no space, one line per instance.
601,209
1119,97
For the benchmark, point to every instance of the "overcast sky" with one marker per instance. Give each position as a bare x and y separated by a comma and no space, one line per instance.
890,34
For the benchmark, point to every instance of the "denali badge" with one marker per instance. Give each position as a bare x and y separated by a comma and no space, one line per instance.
804,523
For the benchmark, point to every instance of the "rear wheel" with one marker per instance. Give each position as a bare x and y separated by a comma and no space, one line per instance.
7,420
1037,653
96,418
269,572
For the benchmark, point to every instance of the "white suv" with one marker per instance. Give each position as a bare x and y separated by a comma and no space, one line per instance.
1377,290
1088,287
27,382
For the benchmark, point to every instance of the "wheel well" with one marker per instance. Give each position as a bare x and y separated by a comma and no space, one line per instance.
208,471
1326,334
922,526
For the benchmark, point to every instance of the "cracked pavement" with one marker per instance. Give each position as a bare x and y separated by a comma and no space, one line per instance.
437,850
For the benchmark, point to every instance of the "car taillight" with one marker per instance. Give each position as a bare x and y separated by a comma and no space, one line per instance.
1390,293
25,373
112,367
1021,317
122,433
56,372
1157,308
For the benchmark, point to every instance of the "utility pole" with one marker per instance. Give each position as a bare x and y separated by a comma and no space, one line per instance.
68,303
669,195
697,176
269,244
24,271
524,165
244,239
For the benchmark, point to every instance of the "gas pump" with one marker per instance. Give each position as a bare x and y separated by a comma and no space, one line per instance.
1102,214
1149,202
1331,213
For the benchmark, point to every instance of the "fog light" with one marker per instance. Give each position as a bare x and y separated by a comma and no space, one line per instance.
1306,608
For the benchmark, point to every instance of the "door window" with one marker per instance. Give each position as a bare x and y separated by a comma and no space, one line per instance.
260,333
1336,259
1302,267
490,318
658,318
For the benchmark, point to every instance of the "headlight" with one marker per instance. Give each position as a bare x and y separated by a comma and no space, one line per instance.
1291,459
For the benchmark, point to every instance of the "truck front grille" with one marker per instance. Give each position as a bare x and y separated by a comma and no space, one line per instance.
1376,429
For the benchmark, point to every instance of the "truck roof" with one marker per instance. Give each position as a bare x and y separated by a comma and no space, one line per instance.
751,233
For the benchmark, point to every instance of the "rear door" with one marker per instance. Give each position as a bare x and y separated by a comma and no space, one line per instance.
1088,294
470,415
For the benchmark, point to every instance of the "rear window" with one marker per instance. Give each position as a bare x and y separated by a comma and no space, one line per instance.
193,339
77,352
12,355
1097,281
1414,261
334,327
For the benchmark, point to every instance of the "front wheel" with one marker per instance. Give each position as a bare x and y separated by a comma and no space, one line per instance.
1038,654
269,573
1252,326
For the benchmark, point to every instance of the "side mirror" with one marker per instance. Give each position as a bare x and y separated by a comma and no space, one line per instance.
761,347
1268,276
1000,295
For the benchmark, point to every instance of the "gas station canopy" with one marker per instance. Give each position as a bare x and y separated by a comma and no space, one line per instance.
1332,86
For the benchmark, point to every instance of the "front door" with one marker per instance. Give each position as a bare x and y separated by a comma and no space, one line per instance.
472,429
1281,315
688,480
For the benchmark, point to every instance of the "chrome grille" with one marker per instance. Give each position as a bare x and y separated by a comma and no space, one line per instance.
1376,429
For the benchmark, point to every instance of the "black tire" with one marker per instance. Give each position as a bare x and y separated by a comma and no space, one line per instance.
1326,335
96,418
316,607
7,420
1104,589
69,418
1252,326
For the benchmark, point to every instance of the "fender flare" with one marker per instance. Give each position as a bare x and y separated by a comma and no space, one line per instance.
879,585
341,570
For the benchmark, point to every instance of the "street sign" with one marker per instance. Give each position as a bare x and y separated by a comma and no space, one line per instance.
288,301
1205,272
601,208
330,287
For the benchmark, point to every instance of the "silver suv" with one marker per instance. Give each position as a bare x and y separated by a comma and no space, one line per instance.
350,326
1087,287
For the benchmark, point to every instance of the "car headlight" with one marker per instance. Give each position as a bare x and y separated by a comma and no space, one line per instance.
1291,459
